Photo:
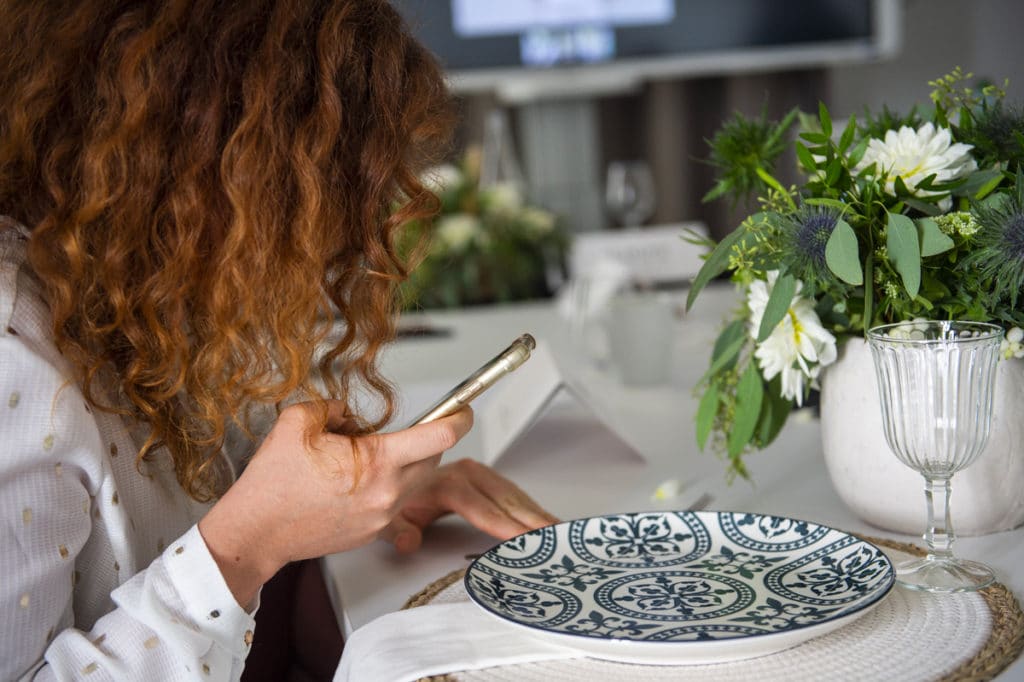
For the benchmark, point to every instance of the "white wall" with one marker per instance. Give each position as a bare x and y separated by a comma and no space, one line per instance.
981,36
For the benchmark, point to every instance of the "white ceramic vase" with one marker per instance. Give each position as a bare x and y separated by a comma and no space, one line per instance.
987,497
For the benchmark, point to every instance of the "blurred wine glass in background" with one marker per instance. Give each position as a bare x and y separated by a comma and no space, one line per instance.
629,192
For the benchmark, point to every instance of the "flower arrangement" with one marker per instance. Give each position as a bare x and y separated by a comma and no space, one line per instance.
486,245
897,217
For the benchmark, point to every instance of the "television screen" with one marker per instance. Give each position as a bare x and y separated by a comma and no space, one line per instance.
485,44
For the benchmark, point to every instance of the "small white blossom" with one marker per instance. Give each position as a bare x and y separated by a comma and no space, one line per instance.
913,155
504,196
797,348
456,231
668,490
440,178
1013,344
537,222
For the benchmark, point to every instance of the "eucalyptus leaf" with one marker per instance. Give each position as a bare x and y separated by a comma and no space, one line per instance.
706,412
905,251
774,411
734,330
988,187
926,207
749,394
727,348
729,354
778,305
716,264
842,255
933,240
869,290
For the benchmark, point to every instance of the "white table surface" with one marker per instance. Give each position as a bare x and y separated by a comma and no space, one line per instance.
576,467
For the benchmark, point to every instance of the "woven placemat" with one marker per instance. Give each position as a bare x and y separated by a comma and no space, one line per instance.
1003,646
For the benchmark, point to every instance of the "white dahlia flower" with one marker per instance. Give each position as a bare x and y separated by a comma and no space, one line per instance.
913,155
797,348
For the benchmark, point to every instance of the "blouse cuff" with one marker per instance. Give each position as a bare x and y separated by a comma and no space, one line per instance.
208,601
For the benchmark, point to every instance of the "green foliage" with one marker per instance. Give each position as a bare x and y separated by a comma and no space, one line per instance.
744,149
486,246
859,243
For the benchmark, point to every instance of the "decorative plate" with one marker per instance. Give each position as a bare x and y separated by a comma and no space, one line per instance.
680,587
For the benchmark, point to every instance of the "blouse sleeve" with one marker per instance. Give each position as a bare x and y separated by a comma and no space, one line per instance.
175,620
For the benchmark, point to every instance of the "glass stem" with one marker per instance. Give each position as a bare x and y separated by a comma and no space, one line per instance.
939,536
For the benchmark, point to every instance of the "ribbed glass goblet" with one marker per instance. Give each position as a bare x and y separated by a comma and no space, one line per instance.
936,380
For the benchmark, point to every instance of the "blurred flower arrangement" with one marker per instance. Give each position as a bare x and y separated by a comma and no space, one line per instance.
486,245
897,217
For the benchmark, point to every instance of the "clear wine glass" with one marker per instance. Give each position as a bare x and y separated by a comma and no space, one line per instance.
629,192
936,380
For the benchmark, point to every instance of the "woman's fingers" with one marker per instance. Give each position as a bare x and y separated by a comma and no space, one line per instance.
405,535
507,496
423,441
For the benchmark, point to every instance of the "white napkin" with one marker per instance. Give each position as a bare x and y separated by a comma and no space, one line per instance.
437,639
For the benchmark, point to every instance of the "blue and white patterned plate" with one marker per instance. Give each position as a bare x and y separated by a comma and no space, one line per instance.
680,587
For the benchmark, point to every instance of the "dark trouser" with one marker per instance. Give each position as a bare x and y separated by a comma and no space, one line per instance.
297,637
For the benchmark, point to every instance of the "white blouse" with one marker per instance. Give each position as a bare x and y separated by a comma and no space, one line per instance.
103,572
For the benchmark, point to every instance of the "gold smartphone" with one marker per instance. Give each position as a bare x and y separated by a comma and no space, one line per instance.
479,381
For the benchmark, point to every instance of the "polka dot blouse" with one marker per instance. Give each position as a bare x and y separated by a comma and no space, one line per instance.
103,572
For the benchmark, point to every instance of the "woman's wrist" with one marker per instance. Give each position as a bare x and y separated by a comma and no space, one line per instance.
239,544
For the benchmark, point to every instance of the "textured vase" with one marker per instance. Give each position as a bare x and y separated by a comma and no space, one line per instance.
988,496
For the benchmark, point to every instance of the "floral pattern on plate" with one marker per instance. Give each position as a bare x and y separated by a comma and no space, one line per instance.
680,586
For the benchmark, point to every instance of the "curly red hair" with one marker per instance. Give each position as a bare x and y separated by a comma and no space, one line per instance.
211,185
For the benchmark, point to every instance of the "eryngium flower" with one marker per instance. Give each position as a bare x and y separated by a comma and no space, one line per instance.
804,235
914,155
999,244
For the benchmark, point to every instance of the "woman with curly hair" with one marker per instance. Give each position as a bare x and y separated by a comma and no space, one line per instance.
197,193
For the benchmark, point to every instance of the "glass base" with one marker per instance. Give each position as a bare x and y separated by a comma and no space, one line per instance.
944,575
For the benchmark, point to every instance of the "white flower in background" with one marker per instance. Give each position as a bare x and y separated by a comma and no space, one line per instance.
504,196
537,222
797,348
916,154
456,231
440,178
1013,344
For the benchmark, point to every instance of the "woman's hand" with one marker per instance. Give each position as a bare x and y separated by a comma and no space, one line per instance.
486,499
303,497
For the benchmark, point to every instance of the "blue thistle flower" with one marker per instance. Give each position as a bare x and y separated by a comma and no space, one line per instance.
998,256
804,235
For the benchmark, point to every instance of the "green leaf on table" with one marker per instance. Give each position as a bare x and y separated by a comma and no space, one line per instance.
749,393
905,251
842,255
706,412
933,240
778,305
716,263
